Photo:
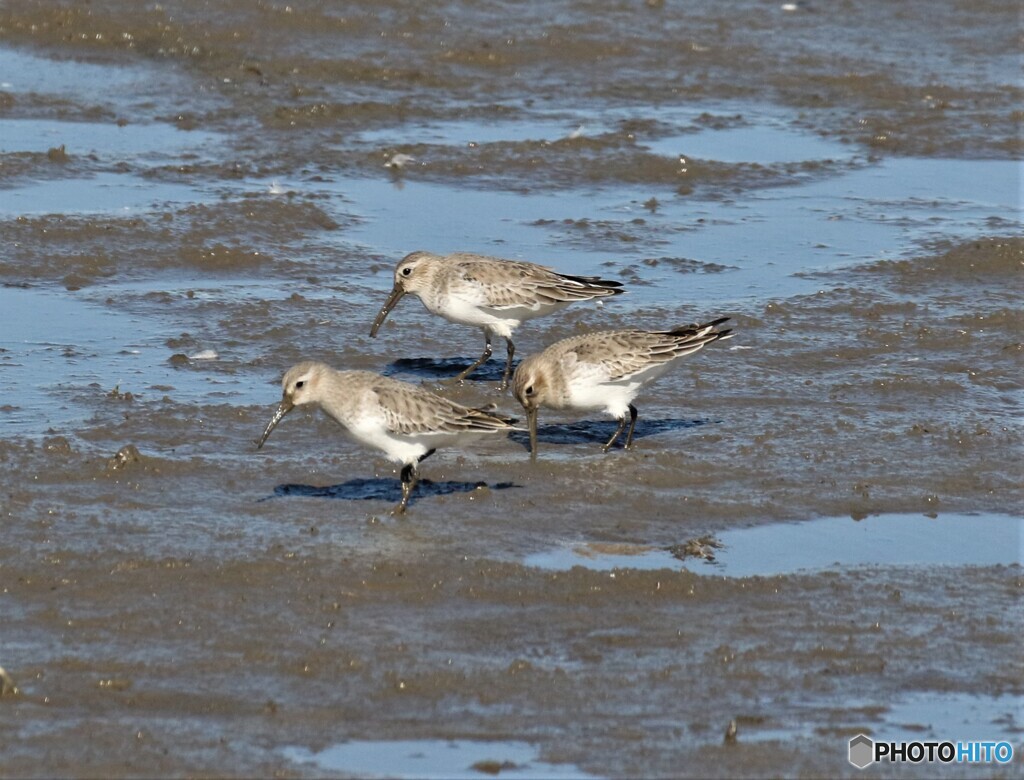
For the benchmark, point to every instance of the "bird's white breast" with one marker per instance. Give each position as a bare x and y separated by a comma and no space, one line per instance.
589,386
468,305
364,421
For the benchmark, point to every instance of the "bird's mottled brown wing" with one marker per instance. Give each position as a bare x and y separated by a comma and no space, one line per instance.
622,353
408,409
512,284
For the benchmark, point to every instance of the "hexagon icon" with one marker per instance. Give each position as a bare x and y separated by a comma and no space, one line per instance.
862,751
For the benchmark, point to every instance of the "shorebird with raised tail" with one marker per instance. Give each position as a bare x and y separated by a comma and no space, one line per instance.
406,422
493,294
604,370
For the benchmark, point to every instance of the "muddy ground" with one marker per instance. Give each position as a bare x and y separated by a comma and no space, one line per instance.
173,603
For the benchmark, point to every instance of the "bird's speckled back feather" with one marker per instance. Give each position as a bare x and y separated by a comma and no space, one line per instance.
606,369
409,409
512,284
623,353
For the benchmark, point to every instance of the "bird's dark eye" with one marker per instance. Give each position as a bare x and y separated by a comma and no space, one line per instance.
299,384
529,390
406,271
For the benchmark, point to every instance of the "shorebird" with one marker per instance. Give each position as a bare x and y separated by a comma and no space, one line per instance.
406,421
604,370
493,294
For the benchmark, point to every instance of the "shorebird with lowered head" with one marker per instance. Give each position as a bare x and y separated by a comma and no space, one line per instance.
406,422
604,370
493,294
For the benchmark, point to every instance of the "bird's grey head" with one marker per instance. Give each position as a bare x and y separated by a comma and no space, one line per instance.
530,387
413,271
529,383
301,383
412,274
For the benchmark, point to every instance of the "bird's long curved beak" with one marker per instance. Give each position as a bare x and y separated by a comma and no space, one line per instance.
282,409
396,295
531,421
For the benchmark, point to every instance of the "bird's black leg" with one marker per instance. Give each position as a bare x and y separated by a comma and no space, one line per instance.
409,479
618,432
632,425
508,364
483,358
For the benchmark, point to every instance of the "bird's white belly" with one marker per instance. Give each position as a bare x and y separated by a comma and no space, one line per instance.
372,432
468,309
406,447
613,397
459,309
464,310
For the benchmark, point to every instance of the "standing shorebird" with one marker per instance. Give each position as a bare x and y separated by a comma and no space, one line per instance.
405,421
604,370
493,294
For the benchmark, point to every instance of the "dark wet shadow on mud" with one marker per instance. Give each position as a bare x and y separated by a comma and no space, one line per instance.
447,368
379,489
600,431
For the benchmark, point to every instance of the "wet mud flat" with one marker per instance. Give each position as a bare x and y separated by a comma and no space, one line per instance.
191,606
174,603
